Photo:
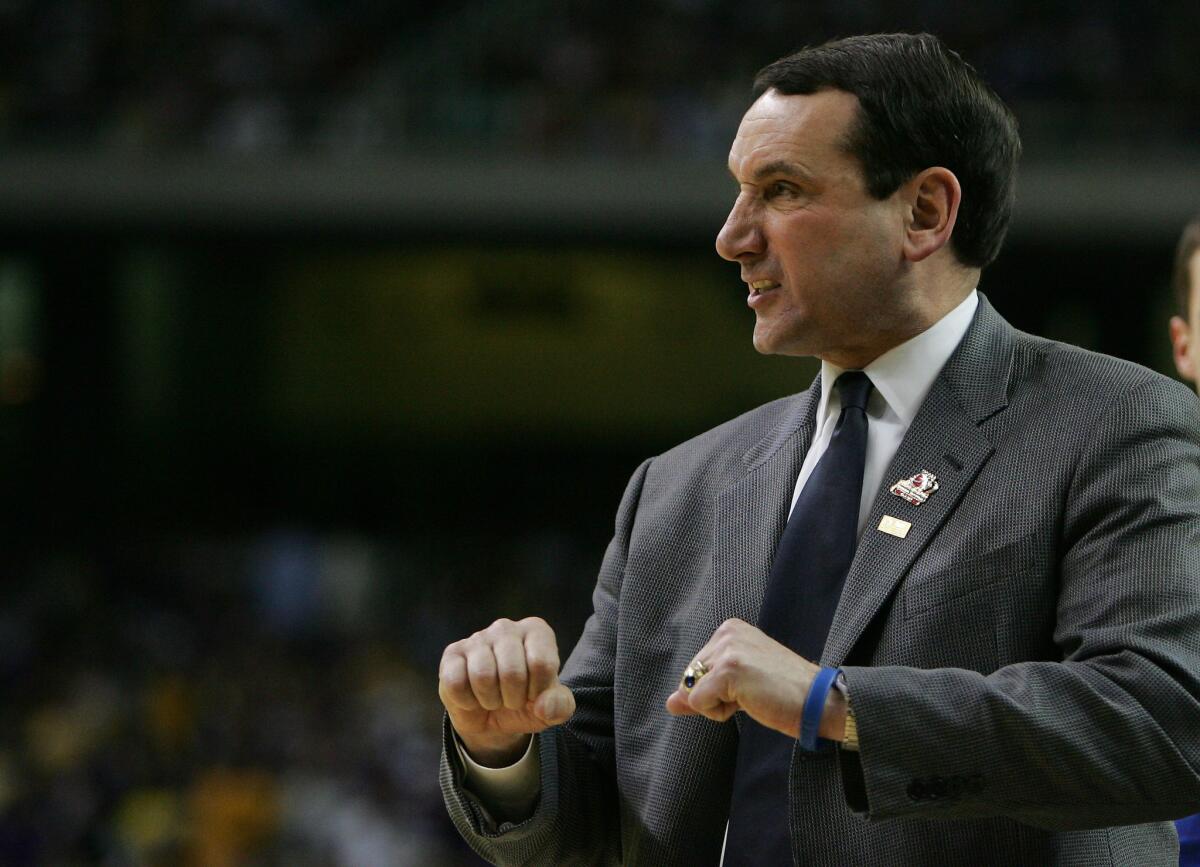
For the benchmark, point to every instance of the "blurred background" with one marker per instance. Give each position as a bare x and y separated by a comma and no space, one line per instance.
329,332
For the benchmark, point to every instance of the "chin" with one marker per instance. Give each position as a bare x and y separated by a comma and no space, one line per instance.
763,345
766,343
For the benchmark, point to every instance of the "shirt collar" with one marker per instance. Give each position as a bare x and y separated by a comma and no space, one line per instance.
904,374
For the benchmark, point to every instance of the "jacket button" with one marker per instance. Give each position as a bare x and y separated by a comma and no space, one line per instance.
916,790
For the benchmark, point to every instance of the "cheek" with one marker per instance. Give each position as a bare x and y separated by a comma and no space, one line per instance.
804,250
825,243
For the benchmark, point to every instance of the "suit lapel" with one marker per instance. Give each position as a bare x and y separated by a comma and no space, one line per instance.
945,439
941,440
751,514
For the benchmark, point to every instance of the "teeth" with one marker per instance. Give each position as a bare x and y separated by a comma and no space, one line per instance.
761,285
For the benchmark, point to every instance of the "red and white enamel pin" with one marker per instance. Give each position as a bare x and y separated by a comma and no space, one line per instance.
917,489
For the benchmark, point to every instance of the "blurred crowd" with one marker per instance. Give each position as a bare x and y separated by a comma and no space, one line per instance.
266,701
270,698
666,77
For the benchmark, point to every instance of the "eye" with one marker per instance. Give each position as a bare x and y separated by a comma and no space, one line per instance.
780,188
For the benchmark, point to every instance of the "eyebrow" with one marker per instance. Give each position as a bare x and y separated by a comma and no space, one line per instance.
777,167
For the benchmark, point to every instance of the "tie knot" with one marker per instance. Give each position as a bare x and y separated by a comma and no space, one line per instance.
853,388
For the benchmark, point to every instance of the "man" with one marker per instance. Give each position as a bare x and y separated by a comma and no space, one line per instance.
1185,341
951,587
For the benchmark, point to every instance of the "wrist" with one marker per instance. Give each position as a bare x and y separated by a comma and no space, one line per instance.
812,718
495,751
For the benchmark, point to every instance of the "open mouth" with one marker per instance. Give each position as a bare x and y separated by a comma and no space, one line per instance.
757,287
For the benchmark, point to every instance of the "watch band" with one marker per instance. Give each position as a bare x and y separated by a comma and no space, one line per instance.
850,736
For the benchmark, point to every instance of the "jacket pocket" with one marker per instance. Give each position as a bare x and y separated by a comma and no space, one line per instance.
924,593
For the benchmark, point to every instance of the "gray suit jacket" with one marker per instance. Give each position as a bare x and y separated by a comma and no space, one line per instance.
1024,665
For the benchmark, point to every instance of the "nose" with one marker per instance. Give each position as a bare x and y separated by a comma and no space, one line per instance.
741,235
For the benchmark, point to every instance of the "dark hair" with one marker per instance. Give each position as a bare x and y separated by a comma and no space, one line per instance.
920,105
1181,280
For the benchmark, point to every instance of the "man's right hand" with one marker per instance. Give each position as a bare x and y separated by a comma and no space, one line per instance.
500,687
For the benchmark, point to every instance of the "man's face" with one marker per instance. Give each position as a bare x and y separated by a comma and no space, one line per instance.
823,258
1185,336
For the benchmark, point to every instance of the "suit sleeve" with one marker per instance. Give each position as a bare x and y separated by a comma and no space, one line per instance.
1110,733
577,819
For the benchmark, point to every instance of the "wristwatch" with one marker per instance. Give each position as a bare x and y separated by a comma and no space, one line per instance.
850,737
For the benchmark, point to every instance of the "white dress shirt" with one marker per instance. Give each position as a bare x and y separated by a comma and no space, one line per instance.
902,377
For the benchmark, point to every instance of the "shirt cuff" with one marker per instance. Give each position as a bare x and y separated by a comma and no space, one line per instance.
507,794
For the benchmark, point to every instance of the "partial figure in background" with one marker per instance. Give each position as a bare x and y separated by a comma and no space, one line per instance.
1185,343
1185,285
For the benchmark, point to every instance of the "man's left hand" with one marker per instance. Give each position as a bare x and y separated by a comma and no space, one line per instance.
752,672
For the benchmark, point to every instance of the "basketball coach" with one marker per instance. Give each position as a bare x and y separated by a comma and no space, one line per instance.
943,607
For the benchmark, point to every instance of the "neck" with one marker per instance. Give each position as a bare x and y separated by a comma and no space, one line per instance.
896,328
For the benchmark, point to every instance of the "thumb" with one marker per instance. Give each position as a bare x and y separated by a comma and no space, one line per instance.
555,705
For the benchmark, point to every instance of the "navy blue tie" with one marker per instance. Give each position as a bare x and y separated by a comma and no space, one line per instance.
806,580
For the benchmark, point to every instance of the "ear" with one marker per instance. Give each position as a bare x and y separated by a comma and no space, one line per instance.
932,199
1181,348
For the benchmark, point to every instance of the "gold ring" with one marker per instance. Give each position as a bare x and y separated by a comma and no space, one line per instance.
692,675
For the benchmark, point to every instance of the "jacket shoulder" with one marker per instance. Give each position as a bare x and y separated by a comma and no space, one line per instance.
717,456
1084,376
738,435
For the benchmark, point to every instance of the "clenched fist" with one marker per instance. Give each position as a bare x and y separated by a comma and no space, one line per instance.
500,687
752,672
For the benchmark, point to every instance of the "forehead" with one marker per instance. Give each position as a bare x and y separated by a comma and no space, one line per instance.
807,128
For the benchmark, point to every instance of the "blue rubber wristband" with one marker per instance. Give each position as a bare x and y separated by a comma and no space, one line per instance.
814,707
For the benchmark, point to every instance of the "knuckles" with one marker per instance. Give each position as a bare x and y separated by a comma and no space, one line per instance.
731,627
510,672
502,627
479,673
543,666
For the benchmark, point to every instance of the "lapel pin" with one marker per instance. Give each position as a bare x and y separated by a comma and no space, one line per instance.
917,489
894,526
